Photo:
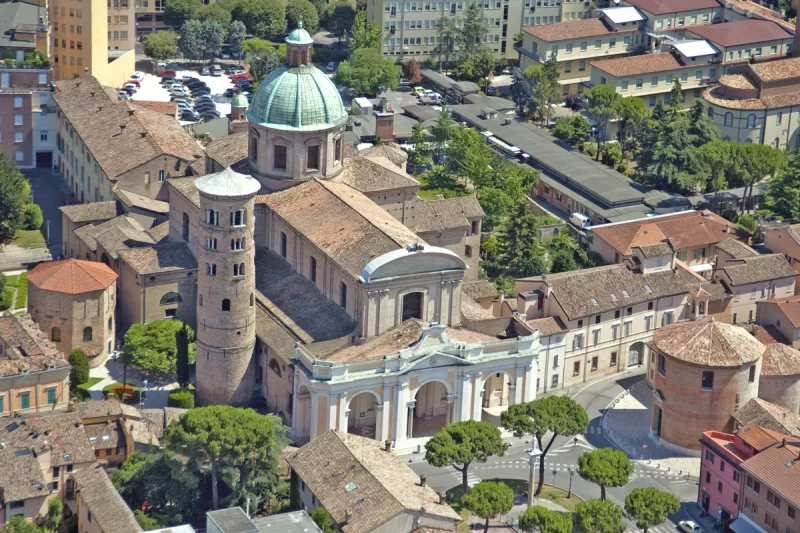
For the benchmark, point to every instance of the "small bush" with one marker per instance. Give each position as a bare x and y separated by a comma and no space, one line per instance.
591,150
33,217
182,398
80,367
8,299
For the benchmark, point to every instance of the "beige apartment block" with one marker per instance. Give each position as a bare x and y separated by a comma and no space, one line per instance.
576,43
671,19
754,279
91,497
150,16
411,28
95,37
745,39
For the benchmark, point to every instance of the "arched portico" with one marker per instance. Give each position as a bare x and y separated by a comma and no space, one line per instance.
636,354
362,414
497,390
431,409
302,408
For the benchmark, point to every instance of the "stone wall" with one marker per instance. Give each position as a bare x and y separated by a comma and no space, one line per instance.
783,390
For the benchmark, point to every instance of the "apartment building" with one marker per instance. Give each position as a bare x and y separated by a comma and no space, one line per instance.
150,16
22,484
411,28
91,497
667,19
754,279
770,498
95,128
652,76
745,39
611,312
577,42
696,236
784,315
96,38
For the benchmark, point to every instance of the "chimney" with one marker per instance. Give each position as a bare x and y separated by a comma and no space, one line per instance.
143,134
131,112
85,72
528,304
423,480
121,129
384,126
442,498
387,445
348,516
92,94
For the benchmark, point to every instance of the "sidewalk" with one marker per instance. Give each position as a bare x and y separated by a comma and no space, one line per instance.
693,511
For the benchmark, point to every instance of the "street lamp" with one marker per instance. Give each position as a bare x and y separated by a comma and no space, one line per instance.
571,473
533,456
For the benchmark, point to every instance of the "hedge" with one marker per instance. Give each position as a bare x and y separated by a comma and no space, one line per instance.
182,398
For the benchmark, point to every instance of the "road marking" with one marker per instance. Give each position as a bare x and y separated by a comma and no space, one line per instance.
601,380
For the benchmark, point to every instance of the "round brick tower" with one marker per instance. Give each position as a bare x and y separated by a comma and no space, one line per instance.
226,313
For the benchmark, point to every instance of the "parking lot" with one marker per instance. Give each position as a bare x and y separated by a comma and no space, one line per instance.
152,90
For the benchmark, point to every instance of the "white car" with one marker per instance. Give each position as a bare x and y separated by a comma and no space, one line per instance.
176,85
182,91
123,95
689,527
138,76
131,86
183,105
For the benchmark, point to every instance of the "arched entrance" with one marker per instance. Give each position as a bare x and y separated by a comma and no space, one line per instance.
363,415
430,410
636,354
496,391
303,417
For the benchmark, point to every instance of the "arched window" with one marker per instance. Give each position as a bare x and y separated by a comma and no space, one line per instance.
236,270
343,295
104,259
283,245
412,306
241,269
211,244
238,218
87,334
211,270
252,299
275,366
751,121
226,305
55,334
253,148
171,298
729,119
212,217
185,232
237,244
110,323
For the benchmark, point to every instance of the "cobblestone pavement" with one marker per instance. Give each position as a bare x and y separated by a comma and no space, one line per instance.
627,424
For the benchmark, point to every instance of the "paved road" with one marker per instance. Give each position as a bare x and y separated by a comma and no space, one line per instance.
564,454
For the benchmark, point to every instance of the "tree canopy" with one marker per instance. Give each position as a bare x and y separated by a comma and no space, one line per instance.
573,130
462,443
79,374
365,34
265,19
153,346
538,519
488,499
297,10
607,467
783,191
238,443
236,35
599,516
602,102
269,57
367,71
559,415
15,193
160,45
650,506
179,11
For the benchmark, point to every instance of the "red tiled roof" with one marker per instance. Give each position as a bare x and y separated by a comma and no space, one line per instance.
643,64
779,468
780,360
663,7
760,438
790,307
742,32
72,276
572,29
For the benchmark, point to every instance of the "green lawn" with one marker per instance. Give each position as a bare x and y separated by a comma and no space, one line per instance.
89,383
427,191
22,291
520,488
29,239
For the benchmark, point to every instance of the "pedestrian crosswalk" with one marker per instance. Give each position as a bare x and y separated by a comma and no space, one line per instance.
472,479
666,527
552,466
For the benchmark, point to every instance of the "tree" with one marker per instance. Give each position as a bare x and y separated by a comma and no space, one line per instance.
159,483
33,217
412,71
606,467
368,72
145,522
783,191
523,257
302,10
650,506
488,499
758,162
473,29
179,11
518,40
364,34
559,415
340,18
265,19
462,443
236,35
420,157
160,45
538,519
574,130
182,337
223,439
268,57
602,106
15,193
545,90
214,12
676,95
19,524
574,102
191,39
324,520
599,516
447,39
55,513
711,161
633,116
441,132
153,346
80,367
212,35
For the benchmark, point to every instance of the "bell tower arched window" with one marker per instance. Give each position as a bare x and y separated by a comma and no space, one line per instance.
238,218
212,217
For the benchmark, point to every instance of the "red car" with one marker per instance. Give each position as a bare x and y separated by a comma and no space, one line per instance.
240,76
135,82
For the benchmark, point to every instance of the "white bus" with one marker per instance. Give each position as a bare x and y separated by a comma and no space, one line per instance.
503,148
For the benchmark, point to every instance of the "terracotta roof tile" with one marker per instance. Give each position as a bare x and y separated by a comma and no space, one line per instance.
758,11
72,276
548,326
93,212
573,29
740,32
102,499
736,248
90,233
229,150
160,258
708,343
166,108
133,199
105,435
768,415
789,306
760,438
27,348
444,214
759,268
780,360
186,187
391,151
641,64
160,232
21,476
779,468
663,7
375,174
67,440
715,96
478,290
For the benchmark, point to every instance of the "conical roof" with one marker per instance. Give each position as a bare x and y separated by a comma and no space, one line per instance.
228,182
72,276
708,343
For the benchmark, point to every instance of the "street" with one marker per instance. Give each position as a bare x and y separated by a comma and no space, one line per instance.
564,454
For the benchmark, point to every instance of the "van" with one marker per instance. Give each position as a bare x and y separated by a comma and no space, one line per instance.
580,220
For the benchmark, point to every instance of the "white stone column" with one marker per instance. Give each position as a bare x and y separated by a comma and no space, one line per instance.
386,410
343,412
314,415
477,398
295,405
379,430
401,412
410,409
518,389
530,383
331,422
463,402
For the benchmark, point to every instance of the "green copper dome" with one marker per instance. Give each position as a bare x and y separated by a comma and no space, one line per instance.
300,98
299,35
239,100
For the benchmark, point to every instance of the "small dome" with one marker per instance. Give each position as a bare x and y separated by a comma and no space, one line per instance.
300,98
228,183
239,100
299,35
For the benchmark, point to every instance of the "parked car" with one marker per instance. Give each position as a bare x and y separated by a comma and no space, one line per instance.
243,81
491,90
138,75
215,70
208,115
168,72
167,80
187,77
205,108
131,87
417,90
176,85
123,95
180,92
235,70
331,66
404,82
230,93
689,527
239,76
183,106
204,71
194,83
135,82
205,98
200,91
190,115
225,55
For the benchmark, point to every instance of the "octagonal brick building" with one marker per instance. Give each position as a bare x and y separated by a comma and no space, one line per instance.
705,371
296,121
